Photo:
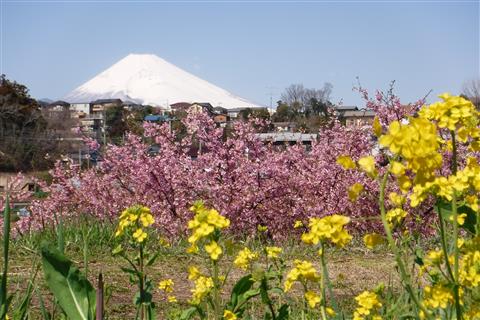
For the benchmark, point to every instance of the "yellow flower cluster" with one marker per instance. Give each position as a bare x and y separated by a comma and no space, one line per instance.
368,305
135,218
167,286
244,258
465,180
395,216
438,296
303,271
273,252
203,224
372,240
214,250
452,112
312,298
203,285
417,143
328,228
469,271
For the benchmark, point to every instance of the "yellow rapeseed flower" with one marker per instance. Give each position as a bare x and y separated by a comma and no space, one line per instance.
372,240
346,162
396,199
261,228
214,250
244,258
133,218
330,312
273,252
377,127
193,273
367,303
146,219
367,164
205,222
328,228
438,296
229,315
303,271
354,191
469,271
395,216
298,224
312,298
397,168
166,285
139,235
203,286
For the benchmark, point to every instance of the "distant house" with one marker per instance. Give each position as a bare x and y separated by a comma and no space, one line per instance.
233,112
130,105
358,118
103,104
80,110
201,107
340,110
221,119
287,138
220,110
58,106
180,106
284,126
25,184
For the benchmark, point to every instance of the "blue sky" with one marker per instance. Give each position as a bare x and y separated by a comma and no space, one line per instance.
248,48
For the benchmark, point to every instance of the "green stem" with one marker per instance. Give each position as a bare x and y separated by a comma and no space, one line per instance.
455,231
142,285
444,245
401,266
327,283
85,250
216,291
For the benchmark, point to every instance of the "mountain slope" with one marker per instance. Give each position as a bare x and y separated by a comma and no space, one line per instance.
148,79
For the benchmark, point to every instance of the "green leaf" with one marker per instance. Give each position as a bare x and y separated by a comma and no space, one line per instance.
45,314
4,299
129,271
283,312
188,314
242,286
21,313
72,290
445,210
152,259
264,292
419,257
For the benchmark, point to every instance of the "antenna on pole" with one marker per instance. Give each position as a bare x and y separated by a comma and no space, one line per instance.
270,93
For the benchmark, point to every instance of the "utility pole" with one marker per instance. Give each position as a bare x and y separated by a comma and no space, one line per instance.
104,126
270,92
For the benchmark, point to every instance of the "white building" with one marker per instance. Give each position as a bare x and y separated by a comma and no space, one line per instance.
80,108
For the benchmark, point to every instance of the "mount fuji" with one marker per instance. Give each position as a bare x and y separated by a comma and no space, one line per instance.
150,80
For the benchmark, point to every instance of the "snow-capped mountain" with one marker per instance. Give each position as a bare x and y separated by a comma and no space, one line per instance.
148,79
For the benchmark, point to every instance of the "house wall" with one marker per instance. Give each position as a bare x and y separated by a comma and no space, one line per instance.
80,107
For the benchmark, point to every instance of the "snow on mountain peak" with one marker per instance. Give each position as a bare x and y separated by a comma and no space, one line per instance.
149,79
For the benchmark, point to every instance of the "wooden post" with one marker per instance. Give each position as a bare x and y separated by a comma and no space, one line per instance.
99,309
